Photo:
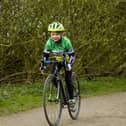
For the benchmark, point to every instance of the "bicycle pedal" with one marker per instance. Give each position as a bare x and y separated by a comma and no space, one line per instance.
50,100
64,106
72,110
53,100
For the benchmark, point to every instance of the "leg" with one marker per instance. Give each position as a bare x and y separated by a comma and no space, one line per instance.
54,81
54,67
68,79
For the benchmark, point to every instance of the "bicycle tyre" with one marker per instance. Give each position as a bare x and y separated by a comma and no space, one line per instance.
77,97
52,108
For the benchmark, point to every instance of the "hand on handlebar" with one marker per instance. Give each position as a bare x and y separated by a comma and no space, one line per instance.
42,68
68,67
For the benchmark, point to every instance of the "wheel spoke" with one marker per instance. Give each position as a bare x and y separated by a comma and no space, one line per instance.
76,89
51,102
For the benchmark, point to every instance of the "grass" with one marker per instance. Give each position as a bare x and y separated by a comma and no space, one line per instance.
103,85
20,97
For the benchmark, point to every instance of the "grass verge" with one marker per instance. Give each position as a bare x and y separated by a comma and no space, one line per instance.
102,86
20,97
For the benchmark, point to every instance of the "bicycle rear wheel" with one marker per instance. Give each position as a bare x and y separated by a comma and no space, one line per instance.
51,102
76,90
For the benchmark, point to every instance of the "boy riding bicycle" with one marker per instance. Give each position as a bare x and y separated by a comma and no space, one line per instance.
58,44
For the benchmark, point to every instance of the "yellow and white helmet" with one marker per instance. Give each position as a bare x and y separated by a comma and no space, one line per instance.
55,26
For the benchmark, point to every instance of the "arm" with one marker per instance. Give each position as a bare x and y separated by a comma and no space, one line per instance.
71,54
45,55
70,51
71,58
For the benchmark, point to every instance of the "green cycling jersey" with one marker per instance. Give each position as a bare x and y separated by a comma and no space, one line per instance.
64,45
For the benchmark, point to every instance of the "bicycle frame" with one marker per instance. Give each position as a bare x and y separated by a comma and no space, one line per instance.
58,96
63,93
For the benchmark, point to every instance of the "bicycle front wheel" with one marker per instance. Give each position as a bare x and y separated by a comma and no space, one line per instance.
74,112
51,101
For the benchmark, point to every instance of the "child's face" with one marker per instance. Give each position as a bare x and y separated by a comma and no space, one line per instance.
55,36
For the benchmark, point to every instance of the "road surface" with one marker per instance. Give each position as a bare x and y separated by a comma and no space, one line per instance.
108,110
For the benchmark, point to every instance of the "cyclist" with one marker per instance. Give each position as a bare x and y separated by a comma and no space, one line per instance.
57,43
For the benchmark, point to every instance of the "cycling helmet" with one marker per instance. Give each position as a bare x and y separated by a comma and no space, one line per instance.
56,26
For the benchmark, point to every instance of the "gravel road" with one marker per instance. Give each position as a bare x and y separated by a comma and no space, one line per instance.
107,110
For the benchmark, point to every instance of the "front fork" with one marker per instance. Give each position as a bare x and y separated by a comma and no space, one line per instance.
54,96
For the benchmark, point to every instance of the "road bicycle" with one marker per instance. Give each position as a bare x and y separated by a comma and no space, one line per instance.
56,96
